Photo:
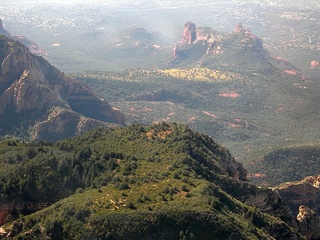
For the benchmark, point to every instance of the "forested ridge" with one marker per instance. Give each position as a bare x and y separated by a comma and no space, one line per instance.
165,181
289,164
31,171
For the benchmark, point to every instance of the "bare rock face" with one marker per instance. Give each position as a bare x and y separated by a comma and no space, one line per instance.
309,223
313,180
303,198
305,192
7,208
314,64
203,47
236,170
31,90
61,123
269,201
239,29
189,33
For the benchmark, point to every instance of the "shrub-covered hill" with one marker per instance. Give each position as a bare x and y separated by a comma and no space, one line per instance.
165,181
287,164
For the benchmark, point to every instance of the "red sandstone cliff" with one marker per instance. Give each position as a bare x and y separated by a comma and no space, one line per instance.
189,32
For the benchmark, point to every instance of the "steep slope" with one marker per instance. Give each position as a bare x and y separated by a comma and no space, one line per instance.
304,192
31,90
165,181
303,198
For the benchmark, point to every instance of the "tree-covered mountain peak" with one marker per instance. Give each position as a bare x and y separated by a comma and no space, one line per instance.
162,181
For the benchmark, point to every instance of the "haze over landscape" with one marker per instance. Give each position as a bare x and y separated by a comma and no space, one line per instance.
159,119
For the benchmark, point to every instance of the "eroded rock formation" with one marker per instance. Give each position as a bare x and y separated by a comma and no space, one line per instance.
199,43
303,198
305,192
270,202
13,208
309,223
236,170
31,90
189,33
314,64
239,29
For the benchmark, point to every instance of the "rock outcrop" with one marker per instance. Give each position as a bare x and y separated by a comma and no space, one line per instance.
31,90
239,29
303,198
309,223
62,123
241,50
189,33
314,64
305,192
269,201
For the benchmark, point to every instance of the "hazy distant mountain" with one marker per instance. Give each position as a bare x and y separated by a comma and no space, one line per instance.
238,51
31,45
3,31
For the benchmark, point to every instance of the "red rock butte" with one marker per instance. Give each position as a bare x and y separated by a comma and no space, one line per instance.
189,33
